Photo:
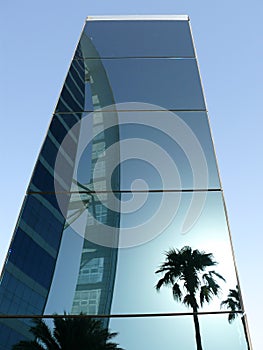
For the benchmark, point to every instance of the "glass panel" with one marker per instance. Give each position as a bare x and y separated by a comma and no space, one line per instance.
172,84
172,332
28,270
136,39
104,240
73,93
145,151
152,230
127,151
149,225
43,175
179,333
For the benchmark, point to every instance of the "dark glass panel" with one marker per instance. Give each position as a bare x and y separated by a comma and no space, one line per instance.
32,259
19,298
73,93
44,217
43,175
151,38
172,84
14,330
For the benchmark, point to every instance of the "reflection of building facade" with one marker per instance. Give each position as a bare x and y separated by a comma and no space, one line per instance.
90,236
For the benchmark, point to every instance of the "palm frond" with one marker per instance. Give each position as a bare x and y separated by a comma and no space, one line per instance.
43,334
177,293
217,275
189,300
166,280
232,316
205,295
183,268
230,304
70,333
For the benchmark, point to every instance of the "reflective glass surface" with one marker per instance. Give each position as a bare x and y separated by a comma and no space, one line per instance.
178,333
72,96
127,151
150,151
136,333
31,259
172,84
145,225
125,187
199,223
45,169
136,39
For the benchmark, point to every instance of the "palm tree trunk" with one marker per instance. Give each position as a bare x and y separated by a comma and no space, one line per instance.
197,330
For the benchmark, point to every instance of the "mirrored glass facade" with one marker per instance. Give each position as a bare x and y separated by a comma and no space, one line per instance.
124,218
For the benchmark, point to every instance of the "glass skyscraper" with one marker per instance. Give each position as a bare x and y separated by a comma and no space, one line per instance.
127,172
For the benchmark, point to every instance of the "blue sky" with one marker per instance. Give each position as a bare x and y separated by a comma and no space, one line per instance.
37,43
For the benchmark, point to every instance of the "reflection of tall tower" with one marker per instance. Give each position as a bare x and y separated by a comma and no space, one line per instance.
90,236
95,282
29,278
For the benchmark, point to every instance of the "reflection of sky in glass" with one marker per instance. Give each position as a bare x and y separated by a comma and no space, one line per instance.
147,152
66,274
135,282
136,278
155,333
139,38
136,169
177,80
178,333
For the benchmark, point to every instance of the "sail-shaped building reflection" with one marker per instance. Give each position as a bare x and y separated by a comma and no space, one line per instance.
127,170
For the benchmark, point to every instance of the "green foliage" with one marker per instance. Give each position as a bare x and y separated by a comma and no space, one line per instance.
69,333
183,271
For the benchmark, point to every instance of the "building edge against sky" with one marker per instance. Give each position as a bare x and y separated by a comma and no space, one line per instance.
133,84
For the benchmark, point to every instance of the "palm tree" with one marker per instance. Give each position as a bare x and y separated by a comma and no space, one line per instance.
69,333
233,303
185,271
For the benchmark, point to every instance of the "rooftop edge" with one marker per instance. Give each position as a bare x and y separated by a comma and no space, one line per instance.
139,17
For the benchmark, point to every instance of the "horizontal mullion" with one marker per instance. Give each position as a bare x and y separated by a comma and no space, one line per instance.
134,57
164,314
129,191
105,110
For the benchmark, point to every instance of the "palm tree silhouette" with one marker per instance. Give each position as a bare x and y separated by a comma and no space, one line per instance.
184,270
69,333
233,303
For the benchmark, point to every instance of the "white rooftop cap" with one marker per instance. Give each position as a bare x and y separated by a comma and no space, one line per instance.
139,17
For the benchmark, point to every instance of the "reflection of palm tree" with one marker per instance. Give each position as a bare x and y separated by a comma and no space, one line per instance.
233,303
184,267
69,333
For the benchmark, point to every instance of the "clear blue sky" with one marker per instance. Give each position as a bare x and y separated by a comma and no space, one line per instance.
37,43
